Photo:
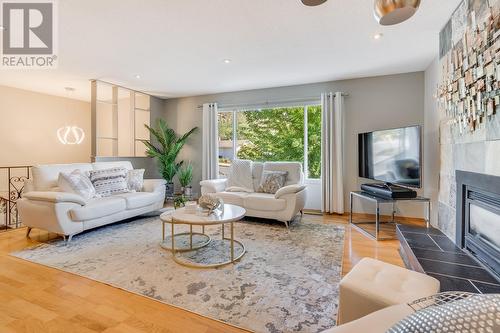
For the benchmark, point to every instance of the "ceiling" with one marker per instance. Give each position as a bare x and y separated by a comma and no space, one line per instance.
178,47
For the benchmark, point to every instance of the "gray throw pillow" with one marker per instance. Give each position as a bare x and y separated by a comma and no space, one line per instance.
272,181
109,181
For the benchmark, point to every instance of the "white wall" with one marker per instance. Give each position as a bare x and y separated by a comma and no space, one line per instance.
373,103
28,125
431,138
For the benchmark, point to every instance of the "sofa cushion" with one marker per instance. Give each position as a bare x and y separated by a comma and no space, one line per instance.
98,207
294,170
138,199
272,181
109,181
234,198
240,175
257,168
263,201
45,176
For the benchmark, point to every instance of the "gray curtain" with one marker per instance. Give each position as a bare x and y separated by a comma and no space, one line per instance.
210,162
332,155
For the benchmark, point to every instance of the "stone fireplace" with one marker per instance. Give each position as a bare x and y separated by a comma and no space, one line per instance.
478,217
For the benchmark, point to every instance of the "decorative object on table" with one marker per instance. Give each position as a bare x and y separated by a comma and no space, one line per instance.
185,178
452,312
211,203
166,151
191,207
391,12
469,89
180,201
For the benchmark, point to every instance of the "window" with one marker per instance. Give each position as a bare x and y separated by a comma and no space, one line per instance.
274,134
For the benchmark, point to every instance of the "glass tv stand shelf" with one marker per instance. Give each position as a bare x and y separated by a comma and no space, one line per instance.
378,229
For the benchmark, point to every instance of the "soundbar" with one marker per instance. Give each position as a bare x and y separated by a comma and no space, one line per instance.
389,191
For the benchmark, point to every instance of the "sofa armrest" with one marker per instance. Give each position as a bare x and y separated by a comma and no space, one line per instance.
153,185
290,189
213,185
55,197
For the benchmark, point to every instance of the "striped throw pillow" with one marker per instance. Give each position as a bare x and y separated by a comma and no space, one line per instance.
109,181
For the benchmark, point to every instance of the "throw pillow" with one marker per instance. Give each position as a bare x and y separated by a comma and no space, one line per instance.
135,180
240,175
109,181
76,182
272,181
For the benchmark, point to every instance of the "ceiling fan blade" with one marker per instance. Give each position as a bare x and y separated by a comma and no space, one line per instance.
313,2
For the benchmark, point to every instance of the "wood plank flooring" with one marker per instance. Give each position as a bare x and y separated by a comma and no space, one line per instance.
35,298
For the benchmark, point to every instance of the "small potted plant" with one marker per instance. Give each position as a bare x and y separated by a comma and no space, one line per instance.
185,178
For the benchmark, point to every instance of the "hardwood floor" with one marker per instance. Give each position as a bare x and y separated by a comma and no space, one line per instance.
35,298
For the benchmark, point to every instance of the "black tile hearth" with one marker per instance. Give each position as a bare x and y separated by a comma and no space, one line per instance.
453,284
460,271
445,243
457,258
428,250
487,288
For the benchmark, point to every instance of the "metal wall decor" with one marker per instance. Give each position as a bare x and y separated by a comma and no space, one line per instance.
469,92
391,12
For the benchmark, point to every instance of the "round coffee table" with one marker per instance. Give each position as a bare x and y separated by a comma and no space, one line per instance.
229,215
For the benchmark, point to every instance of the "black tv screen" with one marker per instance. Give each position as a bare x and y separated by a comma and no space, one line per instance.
391,156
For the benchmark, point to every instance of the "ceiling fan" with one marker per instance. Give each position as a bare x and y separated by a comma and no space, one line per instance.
387,12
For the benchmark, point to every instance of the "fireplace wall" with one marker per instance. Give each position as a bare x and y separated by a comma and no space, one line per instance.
478,151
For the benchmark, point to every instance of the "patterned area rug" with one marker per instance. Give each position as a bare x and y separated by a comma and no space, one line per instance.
286,282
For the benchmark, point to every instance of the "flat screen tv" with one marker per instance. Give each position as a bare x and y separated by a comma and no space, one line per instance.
392,156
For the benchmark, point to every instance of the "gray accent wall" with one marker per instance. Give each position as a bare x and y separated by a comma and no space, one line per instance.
373,103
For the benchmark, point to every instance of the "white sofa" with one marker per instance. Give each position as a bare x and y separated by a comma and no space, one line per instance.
282,206
44,206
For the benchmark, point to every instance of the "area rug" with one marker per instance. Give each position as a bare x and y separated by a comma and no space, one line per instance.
286,282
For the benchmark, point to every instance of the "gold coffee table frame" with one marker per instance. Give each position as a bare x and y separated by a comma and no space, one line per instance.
168,247
230,215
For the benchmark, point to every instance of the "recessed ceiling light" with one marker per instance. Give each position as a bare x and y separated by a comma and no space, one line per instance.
378,36
2,28
227,61
137,76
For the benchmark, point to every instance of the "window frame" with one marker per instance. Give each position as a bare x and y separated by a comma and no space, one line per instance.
305,106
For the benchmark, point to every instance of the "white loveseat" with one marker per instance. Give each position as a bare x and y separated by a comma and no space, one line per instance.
282,206
44,206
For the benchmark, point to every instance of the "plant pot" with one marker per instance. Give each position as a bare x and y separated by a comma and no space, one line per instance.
188,191
169,190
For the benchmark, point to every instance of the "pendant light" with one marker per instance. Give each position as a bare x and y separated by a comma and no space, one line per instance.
313,2
70,134
391,12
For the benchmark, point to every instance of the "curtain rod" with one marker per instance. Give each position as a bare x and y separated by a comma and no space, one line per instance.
271,102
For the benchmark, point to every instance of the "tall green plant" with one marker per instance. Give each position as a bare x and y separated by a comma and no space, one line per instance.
168,148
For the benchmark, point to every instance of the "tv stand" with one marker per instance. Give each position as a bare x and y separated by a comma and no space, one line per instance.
378,201
389,191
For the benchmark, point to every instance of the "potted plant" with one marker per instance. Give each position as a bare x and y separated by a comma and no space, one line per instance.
166,151
185,178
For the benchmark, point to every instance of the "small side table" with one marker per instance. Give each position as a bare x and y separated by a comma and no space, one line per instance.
378,201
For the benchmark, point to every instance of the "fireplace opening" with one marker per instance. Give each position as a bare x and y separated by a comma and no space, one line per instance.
478,217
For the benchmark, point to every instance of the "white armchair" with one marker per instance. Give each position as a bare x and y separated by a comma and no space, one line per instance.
44,206
282,206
